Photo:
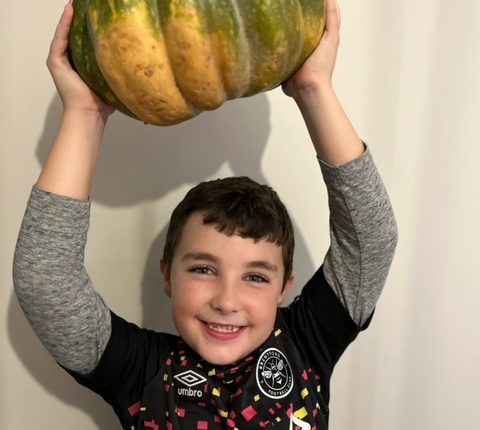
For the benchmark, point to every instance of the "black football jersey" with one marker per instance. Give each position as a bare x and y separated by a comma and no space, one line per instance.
156,381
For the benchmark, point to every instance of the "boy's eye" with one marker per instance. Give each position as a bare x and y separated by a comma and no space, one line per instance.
256,278
201,270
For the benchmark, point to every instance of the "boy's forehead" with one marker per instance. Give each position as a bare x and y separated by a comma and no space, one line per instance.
197,237
196,222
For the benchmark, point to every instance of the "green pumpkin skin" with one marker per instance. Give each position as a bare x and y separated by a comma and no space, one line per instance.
165,61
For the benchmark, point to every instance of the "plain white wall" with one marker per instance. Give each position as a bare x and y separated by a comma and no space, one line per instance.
407,75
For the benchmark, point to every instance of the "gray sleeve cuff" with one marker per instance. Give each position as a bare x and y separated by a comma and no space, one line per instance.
57,213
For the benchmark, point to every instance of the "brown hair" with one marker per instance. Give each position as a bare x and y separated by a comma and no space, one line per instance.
235,205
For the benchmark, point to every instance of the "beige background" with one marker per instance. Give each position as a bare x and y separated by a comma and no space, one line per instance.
408,76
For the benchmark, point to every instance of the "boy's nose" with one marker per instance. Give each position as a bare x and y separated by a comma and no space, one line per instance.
225,299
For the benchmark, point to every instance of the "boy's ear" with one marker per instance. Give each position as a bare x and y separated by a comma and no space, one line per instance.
286,289
166,278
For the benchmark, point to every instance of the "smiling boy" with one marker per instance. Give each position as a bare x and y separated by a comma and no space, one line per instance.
240,361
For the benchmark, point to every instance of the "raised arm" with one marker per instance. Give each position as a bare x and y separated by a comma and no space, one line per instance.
334,138
363,231
71,163
50,280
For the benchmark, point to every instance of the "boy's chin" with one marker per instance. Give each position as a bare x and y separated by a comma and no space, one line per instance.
222,359
225,355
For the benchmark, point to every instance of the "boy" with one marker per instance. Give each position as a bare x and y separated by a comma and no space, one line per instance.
240,361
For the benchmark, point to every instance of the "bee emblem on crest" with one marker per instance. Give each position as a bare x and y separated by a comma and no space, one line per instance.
274,374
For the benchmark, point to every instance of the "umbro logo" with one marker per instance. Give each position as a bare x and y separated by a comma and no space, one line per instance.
190,379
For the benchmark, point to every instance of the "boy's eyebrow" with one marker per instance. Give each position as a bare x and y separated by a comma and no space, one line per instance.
200,256
262,265
205,256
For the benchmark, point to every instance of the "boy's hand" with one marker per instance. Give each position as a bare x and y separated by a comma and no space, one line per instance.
317,70
74,93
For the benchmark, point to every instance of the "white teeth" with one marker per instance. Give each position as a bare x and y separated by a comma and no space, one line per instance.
224,328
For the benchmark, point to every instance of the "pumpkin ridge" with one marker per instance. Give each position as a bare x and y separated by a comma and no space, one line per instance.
131,57
191,54
230,45
266,22
248,57
84,60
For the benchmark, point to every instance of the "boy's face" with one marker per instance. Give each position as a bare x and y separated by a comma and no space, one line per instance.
225,291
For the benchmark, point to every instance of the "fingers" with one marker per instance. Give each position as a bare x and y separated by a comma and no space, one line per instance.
333,16
59,44
339,14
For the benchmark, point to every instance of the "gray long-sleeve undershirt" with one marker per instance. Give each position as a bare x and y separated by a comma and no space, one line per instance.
73,322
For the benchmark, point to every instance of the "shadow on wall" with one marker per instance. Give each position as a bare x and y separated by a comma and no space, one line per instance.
143,163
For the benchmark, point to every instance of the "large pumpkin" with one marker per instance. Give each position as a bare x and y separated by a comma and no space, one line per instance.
165,61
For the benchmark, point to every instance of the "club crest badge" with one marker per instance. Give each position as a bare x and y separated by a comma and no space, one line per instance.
274,374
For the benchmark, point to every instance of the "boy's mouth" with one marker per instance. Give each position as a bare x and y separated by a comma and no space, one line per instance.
223,331
222,328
